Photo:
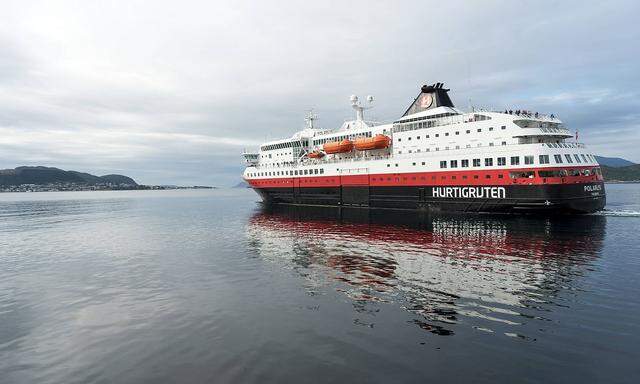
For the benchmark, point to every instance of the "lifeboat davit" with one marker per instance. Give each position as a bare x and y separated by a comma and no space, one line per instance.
338,147
377,142
315,155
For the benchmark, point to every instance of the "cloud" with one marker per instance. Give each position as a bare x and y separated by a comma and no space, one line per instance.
171,93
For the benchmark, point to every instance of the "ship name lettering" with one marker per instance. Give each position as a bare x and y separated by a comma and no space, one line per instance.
592,188
470,192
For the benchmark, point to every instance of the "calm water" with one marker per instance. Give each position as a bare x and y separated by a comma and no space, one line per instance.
205,286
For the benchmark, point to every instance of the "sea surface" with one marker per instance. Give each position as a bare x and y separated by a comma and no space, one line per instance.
208,286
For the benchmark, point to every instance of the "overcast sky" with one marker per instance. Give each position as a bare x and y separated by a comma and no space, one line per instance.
170,92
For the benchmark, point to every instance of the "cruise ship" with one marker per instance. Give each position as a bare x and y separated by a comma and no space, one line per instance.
435,157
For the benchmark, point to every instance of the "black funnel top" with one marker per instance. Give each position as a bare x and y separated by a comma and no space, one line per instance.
431,96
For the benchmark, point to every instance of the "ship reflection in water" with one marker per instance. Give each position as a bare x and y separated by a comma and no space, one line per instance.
504,275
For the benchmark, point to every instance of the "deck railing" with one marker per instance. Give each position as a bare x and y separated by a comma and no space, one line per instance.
365,157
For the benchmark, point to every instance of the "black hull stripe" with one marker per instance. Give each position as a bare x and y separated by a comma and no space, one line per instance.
579,198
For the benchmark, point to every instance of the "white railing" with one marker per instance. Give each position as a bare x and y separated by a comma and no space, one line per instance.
410,155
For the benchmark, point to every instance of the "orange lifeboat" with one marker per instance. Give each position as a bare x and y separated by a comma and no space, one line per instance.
315,155
368,143
338,147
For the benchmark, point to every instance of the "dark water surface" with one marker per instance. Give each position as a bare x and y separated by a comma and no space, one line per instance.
205,286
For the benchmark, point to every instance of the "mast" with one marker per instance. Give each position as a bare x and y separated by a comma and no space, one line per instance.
355,104
310,118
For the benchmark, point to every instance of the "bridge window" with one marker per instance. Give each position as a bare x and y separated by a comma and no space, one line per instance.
575,156
454,163
544,159
476,162
465,163
488,162
502,161
558,159
528,160
584,158
568,158
443,164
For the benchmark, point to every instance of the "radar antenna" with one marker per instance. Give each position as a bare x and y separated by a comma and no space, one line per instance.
355,104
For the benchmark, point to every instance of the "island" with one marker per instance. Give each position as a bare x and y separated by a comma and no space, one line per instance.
51,179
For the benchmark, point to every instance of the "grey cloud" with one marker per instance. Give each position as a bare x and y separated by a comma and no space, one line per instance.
173,93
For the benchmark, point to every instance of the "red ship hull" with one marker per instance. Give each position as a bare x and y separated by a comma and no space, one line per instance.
488,191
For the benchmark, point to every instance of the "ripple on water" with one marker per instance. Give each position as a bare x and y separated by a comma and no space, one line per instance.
205,288
485,273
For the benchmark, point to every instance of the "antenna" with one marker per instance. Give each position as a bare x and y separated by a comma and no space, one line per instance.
355,104
310,118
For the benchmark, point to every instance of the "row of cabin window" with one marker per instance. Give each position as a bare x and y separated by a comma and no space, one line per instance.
433,177
558,173
301,172
447,133
515,160
291,144
430,117
277,154
340,138
514,175
447,148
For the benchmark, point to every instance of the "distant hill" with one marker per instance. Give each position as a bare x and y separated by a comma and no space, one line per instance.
628,173
613,161
49,175
118,179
